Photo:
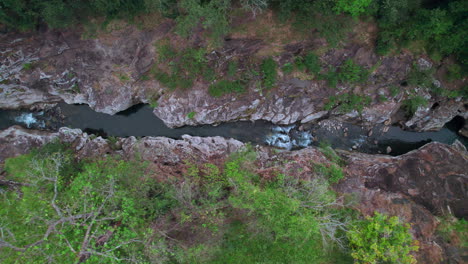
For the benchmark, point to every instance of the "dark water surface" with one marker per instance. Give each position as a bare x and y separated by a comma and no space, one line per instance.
140,121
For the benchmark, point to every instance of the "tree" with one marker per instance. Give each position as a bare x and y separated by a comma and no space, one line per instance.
380,239
353,7
60,215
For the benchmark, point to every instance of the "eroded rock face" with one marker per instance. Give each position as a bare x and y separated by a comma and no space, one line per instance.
59,65
106,73
16,140
415,186
434,176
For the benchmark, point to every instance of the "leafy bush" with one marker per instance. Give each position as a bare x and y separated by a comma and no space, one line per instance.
268,69
191,115
454,231
350,72
232,68
381,239
211,14
287,68
333,173
310,62
347,102
165,52
412,104
223,87
353,7
184,67
92,211
25,15
422,78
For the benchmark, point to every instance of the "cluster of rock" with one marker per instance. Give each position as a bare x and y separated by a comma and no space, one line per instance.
107,73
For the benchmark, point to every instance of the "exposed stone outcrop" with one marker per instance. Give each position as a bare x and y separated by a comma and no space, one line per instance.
106,73
416,186
16,141
60,65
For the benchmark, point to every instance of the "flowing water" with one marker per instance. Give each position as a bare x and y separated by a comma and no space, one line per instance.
140,121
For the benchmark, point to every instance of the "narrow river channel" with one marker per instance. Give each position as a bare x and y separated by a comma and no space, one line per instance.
140,121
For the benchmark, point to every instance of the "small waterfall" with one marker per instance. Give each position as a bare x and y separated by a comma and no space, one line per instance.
287,137
29,119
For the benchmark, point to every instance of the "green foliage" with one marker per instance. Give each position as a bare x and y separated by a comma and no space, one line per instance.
330,153
441,28
28,66
310,62
331,76
255,6
333,173
165,52
240,216
454,231
394,90
124,78
420,78
191,115
211,14
347,72
268,68
350,72
287,68
287,214
381,239
184,67
455,72
353,7
347,102
25,15
232,68
68,210
412,104
319,15
223,87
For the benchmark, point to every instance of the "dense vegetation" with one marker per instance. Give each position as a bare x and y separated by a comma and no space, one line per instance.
115,211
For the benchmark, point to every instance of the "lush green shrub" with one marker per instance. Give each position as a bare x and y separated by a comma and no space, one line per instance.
454,231
225,87
288,68
211,15
232,68
350,72
309,62
66,211
421,78
191,115
455,72
24,15
412,104
381,239
268,68
347,102
333,173
353,7
331,76
184,67
166,52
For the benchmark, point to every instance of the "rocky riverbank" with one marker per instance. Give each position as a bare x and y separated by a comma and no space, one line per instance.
110,73
419,187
